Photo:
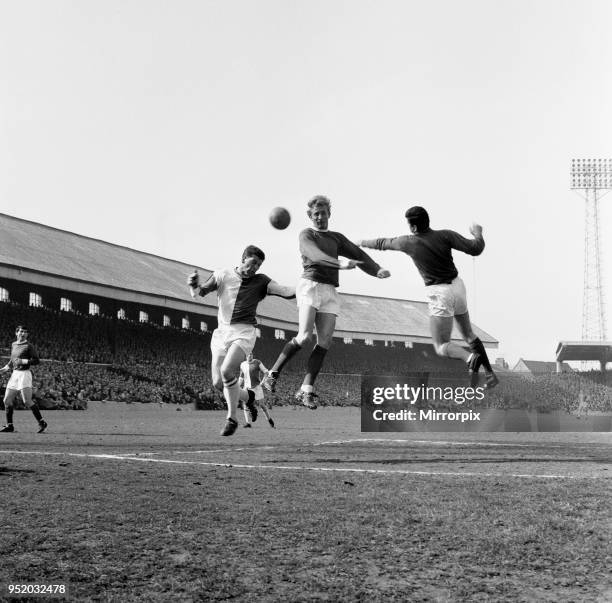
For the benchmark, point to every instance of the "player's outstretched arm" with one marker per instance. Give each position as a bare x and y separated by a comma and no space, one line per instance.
280,290
361,259
353,256
5,368
473,246
385,244
310,250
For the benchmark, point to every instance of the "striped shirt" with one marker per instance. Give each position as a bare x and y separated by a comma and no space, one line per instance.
238,296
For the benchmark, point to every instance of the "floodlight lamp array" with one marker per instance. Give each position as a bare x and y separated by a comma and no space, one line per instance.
591,174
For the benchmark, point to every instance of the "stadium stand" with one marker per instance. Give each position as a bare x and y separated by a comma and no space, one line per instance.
537,366
100,358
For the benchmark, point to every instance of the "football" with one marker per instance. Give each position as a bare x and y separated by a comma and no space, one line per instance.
280,218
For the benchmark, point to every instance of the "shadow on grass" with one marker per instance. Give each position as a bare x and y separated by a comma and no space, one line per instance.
9,471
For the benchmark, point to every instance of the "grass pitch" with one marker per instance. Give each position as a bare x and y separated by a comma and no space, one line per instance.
145,503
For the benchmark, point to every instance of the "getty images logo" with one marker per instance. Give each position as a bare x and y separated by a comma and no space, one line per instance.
410,394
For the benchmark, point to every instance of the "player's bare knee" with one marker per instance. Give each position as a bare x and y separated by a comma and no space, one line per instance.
324,342
228,373
302,338
26,396
469,337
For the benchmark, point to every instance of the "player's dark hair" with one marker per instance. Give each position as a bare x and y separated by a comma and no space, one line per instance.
418,216
253,251
24,328
318,200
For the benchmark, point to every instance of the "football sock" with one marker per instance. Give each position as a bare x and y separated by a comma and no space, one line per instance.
36,412
289,351
265,410
9,415
231,393
314,364
477,347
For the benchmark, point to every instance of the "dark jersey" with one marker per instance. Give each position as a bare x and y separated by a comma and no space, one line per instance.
23,351
431,252
316,244
238,296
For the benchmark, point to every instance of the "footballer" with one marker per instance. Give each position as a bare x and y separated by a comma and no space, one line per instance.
23,356
239,291
317,298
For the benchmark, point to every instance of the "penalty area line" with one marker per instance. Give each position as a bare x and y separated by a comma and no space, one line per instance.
118,457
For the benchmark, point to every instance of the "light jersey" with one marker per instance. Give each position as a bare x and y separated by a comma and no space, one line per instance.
239,296
252,372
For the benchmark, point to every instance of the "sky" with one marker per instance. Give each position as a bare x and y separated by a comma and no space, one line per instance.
175,127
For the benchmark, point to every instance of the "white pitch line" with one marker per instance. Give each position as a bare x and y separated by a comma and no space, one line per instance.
118,457
228,449
136,454
446,442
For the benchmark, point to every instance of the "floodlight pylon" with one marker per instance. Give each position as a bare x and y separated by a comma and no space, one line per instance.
592,179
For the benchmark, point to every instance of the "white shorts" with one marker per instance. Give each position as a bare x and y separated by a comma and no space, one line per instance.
447,300
258,391
223,337
321,296
20,380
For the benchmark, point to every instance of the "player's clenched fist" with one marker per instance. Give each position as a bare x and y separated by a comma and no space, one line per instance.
476,230
194,279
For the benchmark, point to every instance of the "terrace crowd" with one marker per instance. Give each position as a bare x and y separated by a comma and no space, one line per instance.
97,358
